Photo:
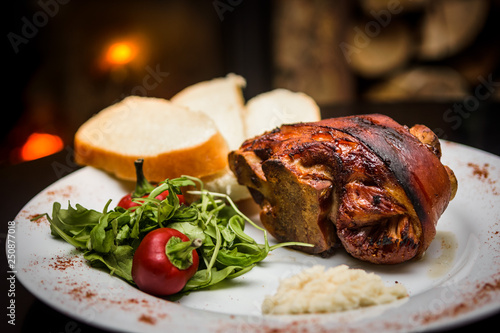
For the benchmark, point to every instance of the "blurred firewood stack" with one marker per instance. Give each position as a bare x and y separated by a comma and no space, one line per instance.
385,50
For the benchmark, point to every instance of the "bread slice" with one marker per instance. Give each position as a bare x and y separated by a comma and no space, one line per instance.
274,108
222,100
192,134
172,140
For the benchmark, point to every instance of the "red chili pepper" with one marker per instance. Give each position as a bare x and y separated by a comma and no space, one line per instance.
142,189
164,261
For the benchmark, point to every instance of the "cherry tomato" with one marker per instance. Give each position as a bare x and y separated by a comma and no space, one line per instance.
142,189
164,261
126,202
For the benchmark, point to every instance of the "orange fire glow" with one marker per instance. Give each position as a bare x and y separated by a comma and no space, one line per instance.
124,54
40,145
121,53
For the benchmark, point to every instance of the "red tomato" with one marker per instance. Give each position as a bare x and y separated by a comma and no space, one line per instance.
153,271
126,202
143,188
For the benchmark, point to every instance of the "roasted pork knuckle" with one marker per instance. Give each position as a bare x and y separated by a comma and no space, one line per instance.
364,182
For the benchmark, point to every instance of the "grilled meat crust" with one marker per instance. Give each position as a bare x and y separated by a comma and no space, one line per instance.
366,182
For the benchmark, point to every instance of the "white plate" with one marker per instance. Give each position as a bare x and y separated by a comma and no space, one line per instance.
457,281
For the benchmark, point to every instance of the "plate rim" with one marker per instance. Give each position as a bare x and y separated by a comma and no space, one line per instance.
467,317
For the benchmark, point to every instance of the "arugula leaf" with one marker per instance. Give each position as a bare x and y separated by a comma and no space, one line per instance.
71,224
102,240
118,262
242,255
204,278
193,231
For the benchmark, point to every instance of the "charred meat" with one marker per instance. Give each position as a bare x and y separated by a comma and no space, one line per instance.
367,182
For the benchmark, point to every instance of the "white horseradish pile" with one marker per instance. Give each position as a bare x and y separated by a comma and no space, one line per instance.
316,290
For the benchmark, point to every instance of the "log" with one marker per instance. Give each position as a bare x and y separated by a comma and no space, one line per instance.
478,61
379,50
448,26
420,84
306,56
370,6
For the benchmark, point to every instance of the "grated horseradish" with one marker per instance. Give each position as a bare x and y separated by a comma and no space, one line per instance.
340,288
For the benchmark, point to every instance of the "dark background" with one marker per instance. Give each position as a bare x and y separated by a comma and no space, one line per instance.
56,79
335,51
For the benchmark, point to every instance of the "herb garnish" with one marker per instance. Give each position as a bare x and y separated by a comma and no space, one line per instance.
108,239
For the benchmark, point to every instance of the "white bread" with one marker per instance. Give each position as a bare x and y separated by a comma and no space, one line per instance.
172,140
265,112
274,108
191,134
222,100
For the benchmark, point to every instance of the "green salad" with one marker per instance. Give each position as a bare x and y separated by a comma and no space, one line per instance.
109,238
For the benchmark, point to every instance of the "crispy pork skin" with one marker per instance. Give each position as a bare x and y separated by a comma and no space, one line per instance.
366,182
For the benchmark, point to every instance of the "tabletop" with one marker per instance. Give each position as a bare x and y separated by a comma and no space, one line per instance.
476,127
